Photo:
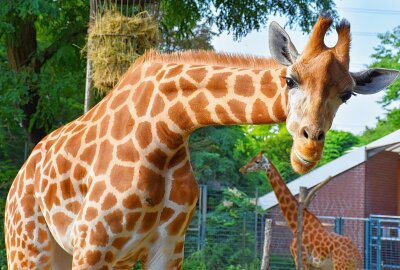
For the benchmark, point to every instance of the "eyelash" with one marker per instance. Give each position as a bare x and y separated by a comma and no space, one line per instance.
346,96
290,82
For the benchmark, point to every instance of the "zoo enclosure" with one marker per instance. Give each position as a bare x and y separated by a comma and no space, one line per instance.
236,238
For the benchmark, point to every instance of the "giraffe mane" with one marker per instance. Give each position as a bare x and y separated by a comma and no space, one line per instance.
203,57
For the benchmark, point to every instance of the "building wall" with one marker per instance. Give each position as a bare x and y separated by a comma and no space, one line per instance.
343,196
372,187
381,184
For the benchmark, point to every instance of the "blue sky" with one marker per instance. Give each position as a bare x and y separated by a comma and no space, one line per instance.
367,18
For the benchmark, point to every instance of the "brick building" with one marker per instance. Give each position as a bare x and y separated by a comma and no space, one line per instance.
366,181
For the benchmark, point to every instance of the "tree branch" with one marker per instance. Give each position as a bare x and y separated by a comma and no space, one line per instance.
42,57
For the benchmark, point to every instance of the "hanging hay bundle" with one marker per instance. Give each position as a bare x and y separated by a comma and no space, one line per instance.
115,41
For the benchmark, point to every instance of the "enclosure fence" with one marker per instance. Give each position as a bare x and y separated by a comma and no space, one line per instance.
229,234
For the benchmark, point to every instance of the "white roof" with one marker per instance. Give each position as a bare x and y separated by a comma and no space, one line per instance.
356,156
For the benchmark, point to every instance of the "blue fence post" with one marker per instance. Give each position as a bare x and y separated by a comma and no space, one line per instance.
367,244
339,225
378,245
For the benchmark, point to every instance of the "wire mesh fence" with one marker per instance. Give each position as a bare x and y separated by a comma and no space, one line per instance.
227,232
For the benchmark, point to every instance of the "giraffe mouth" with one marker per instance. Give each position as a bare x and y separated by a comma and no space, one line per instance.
301,159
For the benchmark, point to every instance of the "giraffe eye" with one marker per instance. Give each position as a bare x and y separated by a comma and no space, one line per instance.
346,96
290,82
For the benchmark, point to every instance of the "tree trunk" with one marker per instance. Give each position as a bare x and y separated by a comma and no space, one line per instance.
21,49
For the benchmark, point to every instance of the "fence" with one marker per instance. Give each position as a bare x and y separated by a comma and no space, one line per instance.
227,233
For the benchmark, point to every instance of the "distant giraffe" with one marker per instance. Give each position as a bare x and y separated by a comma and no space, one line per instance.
115,186
321,249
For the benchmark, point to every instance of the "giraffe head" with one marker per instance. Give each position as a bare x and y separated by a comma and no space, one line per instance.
257,163
318,82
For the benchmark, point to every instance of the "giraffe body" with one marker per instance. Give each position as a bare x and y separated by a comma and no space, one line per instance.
320,249
115,186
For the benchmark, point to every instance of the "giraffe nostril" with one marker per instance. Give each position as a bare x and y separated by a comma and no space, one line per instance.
305,134
321,136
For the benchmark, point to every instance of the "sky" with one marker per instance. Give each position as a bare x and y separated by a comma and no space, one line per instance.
367,19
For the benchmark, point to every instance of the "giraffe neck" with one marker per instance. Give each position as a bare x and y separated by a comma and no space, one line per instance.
287,202
181,98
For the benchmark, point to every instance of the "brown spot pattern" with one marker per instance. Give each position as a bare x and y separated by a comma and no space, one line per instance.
148,221
168,89
143,134
88,154
268,87
199,106
197,74
244,86
238,108
167,136
132,202
121,177
158,158
158,106
67,189
178,114
127,152
123,123
98,235
109,201
61,221
97,191
153,183
186,87
223,115
184,186
260,113
142,96
218,85
119,99
177,224
104,157
114,221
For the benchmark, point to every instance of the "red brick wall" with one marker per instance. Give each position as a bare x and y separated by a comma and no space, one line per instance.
369,188
342,196
381,184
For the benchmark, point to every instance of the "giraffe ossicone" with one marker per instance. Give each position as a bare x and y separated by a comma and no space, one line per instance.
321,249
116,186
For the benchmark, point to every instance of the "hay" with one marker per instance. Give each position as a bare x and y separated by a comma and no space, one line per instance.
114,42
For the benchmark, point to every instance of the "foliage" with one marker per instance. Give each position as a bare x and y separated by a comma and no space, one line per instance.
276,141
195,261
240,17
215,159
229,221
384,126
387,55
199,38
336,145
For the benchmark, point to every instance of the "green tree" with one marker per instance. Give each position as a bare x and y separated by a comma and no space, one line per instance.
390,123
337,143
276,141
387,55
232,221
240,17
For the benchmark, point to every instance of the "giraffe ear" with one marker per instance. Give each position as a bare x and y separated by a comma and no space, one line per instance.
280,45
373,80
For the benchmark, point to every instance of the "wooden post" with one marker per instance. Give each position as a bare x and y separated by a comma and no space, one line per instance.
267,244
305,198
302,197
92,18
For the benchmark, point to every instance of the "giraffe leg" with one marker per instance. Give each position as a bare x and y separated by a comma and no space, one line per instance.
168,253
29,242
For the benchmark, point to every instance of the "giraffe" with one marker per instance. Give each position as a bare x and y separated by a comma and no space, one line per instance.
115,186
321,249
